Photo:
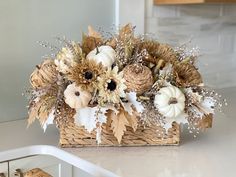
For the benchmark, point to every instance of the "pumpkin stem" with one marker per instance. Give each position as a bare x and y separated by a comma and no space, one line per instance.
97,50
173,100
37,66
96,46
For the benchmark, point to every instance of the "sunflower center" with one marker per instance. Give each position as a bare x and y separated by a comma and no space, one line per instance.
77,94
182,77
88,75
173,100
111,85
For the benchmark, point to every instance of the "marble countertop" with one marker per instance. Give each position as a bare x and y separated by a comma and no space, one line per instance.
210,154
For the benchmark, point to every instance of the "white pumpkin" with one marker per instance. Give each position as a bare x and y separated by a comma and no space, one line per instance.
103,54
75,97
170,101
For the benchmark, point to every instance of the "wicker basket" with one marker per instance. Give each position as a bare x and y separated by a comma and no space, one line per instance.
72,135
36,172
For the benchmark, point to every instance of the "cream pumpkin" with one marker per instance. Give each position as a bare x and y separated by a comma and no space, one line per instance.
75,97
103,54
170,101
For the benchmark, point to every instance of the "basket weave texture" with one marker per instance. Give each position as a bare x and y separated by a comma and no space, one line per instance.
72,135
36,172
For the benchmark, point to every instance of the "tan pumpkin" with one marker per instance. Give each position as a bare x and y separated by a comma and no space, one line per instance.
75,97
104,54
44,74
170,101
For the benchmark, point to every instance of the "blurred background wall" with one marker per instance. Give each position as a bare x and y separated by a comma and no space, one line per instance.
22,24
212,27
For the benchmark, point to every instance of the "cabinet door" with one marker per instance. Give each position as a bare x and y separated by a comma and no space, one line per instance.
51,165
3,169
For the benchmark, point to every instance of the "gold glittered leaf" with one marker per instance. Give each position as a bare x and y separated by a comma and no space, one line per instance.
118,124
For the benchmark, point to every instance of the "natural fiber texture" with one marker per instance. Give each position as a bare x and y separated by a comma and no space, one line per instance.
138,78
206,122
89,43
157,51
64,114
85,74
187,75
36,172
44,74
75,136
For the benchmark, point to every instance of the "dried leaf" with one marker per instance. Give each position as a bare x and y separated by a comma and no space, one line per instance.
133,120
180,119
118,125
127,29
89,43
41,109
109,118
47,104
132,98
112,42
205,122
33,113
93,33
207,105
89,117
49,120
43,115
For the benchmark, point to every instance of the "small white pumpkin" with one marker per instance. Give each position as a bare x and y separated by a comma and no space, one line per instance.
103,54
170,101
75,97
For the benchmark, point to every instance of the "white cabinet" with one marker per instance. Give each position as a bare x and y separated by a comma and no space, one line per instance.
3,169
49,164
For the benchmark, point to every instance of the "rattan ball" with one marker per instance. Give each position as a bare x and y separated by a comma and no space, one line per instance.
138,78
44,74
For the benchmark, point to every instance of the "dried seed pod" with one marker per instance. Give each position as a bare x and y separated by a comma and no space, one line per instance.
138,78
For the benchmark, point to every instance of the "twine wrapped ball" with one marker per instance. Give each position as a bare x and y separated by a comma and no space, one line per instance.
44,74
138,78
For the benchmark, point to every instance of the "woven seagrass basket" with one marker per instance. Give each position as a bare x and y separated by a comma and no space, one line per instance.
72,135
36,172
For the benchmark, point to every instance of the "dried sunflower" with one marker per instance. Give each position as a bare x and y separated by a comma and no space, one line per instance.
186,75
85,74
111,86
68,57
157,51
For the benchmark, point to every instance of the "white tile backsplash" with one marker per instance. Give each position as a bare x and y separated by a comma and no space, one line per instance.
211,27
229,10
206,11
165,11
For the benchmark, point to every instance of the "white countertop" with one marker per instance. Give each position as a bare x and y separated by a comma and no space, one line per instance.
211,154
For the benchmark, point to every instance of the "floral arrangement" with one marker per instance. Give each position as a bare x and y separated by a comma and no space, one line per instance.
121,81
